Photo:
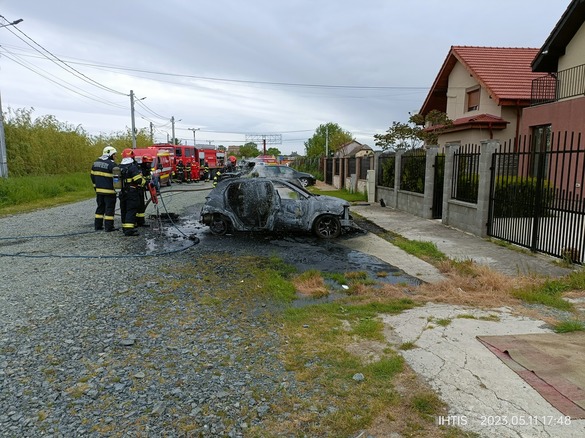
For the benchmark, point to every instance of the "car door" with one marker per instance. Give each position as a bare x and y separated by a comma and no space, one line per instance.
254,202
294,206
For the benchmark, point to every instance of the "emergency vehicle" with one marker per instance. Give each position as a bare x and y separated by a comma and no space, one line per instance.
162,163
197,157
188,154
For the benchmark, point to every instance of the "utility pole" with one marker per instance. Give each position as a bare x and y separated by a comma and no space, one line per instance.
151,132
3,160
3,157
327,141
132,117
194,131
173,125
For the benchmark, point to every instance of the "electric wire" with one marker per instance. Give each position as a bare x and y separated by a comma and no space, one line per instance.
58,61
45,74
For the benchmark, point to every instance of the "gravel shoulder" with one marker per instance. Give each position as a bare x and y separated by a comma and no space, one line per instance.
92,345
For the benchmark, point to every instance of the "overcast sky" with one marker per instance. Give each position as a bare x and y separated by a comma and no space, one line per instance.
235,67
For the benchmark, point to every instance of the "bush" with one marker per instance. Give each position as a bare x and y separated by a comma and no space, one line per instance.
515,196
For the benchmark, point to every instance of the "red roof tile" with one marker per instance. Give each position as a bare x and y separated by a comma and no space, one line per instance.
505,72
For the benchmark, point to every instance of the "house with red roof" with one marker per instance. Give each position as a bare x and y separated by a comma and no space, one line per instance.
483,91
558,92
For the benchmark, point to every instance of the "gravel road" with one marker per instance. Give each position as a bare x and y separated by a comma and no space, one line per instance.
89,348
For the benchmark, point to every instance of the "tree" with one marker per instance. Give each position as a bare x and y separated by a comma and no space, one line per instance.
249,150
315,146
412,135
273,151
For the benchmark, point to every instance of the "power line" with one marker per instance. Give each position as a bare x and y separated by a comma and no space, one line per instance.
59,62
218,79
68,85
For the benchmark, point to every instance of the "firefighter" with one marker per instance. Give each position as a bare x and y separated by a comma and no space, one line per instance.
188,172
205,171
145,169
132,183
216,177
102,177
230,165
180,172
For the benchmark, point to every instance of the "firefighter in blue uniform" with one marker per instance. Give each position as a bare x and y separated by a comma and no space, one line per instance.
132,183
102,177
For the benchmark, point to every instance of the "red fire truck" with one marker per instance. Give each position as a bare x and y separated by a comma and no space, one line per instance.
162,162
197,157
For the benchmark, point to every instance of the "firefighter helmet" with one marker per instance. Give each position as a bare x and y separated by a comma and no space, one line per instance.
147,159
109,151
127,153
232,159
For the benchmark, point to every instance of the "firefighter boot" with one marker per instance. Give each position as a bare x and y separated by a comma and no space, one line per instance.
131,232
99,224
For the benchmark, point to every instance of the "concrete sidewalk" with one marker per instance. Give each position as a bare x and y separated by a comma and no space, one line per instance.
459,245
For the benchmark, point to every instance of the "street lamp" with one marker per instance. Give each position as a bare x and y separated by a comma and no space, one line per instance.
3,160
194,131
14,23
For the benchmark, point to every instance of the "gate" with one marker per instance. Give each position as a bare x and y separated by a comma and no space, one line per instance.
537,197
329,171
437,209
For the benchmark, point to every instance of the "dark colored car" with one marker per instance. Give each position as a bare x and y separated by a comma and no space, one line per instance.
272,204
284,172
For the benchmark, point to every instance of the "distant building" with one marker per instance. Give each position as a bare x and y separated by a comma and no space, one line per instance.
233,150
353,149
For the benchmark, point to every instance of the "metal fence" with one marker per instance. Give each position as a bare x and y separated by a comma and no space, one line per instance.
386,169
540,202
465,182
412,171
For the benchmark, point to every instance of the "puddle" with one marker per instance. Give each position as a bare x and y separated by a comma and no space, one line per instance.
301,250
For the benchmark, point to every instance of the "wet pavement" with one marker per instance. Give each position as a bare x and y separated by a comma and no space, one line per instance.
179,227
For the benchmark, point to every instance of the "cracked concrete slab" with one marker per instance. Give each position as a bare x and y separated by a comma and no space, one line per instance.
483,394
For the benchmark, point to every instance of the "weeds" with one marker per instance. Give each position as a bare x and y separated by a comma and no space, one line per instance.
569,326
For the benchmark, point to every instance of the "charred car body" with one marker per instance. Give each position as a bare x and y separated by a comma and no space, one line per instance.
272,204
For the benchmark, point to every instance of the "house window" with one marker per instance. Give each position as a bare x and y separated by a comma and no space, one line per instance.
473,99
541,138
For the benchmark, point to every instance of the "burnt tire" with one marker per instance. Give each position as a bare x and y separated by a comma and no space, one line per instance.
220,225
327,227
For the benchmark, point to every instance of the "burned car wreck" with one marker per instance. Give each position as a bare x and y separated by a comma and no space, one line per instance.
272,204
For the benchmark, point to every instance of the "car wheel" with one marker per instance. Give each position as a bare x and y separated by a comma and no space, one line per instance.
327,227
220,225
304,182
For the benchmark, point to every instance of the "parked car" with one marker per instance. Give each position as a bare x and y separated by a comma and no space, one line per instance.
284,172
272,204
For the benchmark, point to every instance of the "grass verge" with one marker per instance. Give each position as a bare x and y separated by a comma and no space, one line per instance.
28,193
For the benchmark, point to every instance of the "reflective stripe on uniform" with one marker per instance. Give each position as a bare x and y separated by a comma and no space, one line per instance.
109,218
106,174
99,216
106,191
127,225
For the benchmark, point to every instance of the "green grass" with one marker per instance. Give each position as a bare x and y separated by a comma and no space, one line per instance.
343,194
27,193
424,250
569,326
548,294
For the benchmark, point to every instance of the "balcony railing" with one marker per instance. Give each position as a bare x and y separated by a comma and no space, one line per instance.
557,86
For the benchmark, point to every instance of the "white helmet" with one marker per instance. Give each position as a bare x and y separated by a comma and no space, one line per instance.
109,151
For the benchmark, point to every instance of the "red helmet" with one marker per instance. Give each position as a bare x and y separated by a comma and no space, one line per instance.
147,159
127,153
232,159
